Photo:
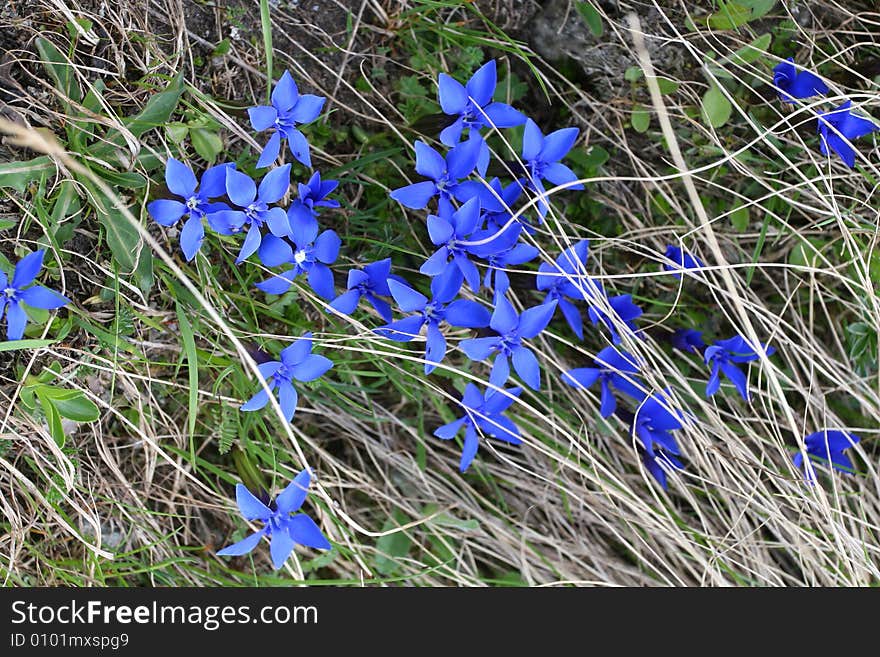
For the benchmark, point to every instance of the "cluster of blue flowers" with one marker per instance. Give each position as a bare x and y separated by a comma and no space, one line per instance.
837,127
472,224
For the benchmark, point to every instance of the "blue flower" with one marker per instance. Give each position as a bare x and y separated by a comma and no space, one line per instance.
682,259
472,105
369,283
623,310
445,175
255,212
556,281
282,529
839,127
542,156
485,413
827,446
792,83
613,369
723,356
496,203
312,195
512,329
430,313
312,255
20,291
196,195
688,340
297,363
450,234
653,425
501,251
655,464
288,109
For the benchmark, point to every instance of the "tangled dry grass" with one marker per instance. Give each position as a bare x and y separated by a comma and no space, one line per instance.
126,501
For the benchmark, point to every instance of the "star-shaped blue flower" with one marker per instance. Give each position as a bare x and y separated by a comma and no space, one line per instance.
297,363
21,291
827,446
688,340
615,370
445,176
542,156
451,234
561,279
195,203
431,313
368,283
792,83
508,346
839,127
485,413
723,356
282,529
289,108
682,260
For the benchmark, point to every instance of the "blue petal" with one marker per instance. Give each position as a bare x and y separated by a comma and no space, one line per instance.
535,319
321,281
274,184
526,365
311,368
191,236
243,546
306,532
270,151
467,314
533,140
299,147
453,96
439,229
504,318
166,211
573,317
559,174
609,402
287,398
446,286
806,84
262,117
327,247
415,196
292,497
179,178
27,269
382,307
481,86
737,377
558,143
462,159
298,351
285,94
429,163
500,371
448,431
471,444
274,251
307,108
38,296
437,263
403,330
227,222
408,300
478,348
213,181
582,376
504,116
251,508
451,134
251,244
468,270
240,188
497,403
435,347
256,402
280,547
268,369
347,302
278,284
16,320
303,224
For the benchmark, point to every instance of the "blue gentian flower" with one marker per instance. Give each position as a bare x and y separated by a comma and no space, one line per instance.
311,256
499,256
369,283
450,233
431,313
828,447
255,212
654,464
297,363
445,176
313,195
792,83
282,529
496,203
839,127
723,356
556,281
682,259
624,310
472,105
485,412
196,203
688,340
512,329
289,108
20,291
613,369
653,425
542,156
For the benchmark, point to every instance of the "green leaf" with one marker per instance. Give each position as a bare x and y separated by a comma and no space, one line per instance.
591,17
716,108
78,408
666,85
640,119
207,143
60,70
633,74
18,175
158,109
392,546
752,52
192,362
177,131
739,218
730,15
122,238
53,417
16,345
759,8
